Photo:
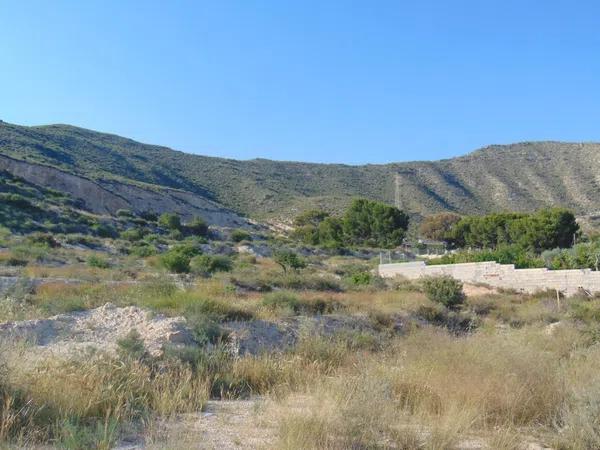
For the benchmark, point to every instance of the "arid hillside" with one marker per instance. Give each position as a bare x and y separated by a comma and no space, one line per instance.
522,176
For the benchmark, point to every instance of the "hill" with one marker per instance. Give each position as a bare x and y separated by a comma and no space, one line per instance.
521,176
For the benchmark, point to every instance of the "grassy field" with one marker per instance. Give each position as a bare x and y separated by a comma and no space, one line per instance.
501,370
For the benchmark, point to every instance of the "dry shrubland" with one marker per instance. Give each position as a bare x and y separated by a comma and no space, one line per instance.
495,371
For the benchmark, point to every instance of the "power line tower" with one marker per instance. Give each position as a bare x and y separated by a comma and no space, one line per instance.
397,201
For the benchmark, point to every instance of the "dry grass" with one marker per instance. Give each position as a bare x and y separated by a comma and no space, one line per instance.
57,399
508,382
433,390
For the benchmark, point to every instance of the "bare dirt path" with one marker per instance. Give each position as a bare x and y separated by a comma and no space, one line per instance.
224,425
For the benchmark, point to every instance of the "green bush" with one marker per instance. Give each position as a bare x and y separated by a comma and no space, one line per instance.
169,221
133,234
149,216
42,240
98,262
264,282
206,329
197,227
178,258
104,230
124,213
82,239
207,264
240,235
503,254
131,346
282,300
361,278
17,201
288,259
143,250
287,301
444,290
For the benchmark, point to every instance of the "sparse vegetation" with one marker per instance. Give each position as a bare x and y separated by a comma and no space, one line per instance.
331,355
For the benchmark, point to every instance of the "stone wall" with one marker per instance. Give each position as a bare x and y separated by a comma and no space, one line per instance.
501,275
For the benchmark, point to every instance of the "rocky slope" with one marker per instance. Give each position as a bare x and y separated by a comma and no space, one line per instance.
108,196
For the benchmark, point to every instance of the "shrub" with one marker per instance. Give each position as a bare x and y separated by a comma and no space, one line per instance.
124,213
503,254
206,329
98,262
42,239
288,259
240,235
133,234
282,300
170,221
197,227
287,301
81,239
149,216
104,230
143,250
178,258
131,346
444,290
361,278
207,264
17,200
176,235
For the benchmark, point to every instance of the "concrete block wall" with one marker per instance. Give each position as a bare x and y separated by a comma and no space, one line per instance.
501,275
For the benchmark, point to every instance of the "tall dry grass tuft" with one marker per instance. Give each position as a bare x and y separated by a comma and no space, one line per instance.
86,400
580,416
503,380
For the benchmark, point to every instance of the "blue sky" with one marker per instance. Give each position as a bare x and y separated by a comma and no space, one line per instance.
336,81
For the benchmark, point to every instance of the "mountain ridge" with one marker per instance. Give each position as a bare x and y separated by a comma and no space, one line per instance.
520,176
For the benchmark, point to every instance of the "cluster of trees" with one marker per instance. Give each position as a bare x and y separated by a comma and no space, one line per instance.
365,223
543,230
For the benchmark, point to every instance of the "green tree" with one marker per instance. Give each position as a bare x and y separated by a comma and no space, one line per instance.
331,232
546,229
368,222
438,226
311,217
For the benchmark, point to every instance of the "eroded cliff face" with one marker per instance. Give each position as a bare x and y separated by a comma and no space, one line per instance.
108,196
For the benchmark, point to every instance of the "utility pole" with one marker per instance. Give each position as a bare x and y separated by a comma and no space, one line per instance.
397,201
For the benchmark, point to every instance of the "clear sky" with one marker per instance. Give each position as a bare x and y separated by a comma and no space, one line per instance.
327,81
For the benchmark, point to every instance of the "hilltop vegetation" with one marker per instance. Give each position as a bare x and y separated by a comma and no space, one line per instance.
518,177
